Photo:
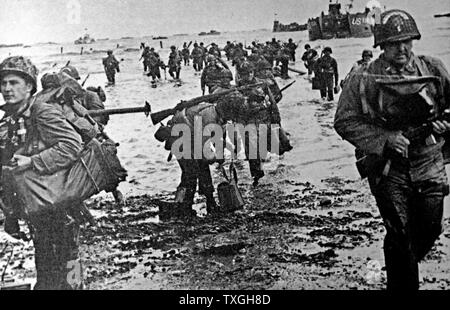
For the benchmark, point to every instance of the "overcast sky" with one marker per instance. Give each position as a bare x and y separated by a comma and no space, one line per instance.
31,21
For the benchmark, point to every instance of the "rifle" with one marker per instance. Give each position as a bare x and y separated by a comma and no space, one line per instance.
146,109
296,71
158,117
287,86
85,80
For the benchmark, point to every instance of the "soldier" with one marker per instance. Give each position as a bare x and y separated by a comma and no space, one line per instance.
363,63
228,49
366,58
215,50
111,65
145,54
36,135
197,58
215,75
92,98
283,56
154,63
309,58
174,63
327,69
186,54
261,110
204,53
377,108
292,47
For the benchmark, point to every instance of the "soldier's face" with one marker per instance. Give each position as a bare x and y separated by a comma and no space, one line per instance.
367,59
398,53
15,89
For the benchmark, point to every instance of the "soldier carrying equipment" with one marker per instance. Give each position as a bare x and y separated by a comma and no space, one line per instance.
158,117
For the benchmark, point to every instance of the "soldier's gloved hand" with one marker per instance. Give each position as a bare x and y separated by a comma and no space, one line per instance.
441,127
399,143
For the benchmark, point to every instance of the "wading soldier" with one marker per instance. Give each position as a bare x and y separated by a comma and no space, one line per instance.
36,135
327,69
378,108
174,63
215,75
197,58
111,65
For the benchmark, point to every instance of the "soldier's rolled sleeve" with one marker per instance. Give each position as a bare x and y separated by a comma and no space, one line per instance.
64,143
352,125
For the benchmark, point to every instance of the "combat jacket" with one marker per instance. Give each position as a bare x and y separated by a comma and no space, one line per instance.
359,108
197,53
91,101
214,76
111,63
328,65
50,141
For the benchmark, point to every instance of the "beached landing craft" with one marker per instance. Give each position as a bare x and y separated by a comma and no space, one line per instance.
336,24
211,33
86,39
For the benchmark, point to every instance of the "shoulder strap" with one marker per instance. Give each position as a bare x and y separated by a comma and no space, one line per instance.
366,108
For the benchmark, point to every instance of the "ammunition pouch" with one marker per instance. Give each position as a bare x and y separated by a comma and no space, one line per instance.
369,165
163,133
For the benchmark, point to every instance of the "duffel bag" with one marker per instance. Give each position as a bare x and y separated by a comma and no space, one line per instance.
97,169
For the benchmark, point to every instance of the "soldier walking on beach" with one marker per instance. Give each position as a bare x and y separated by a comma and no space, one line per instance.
309,58
377,112
93,99
174,63
215,75
292,48
361,64
186,54
327,70
197,58
111,65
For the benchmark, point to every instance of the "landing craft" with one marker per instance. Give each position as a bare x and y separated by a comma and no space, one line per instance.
336,24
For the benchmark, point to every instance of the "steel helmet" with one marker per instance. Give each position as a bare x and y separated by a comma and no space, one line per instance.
21,66
394,26
50,80
71,71
246,68
328,49
210,58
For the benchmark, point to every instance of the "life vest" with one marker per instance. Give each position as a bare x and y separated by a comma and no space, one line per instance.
404,101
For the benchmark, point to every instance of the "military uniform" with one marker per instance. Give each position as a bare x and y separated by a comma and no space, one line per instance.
197,58
327,70
111,65
52,144
186,55
409,190
216,76
195,171
309,57
175,63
